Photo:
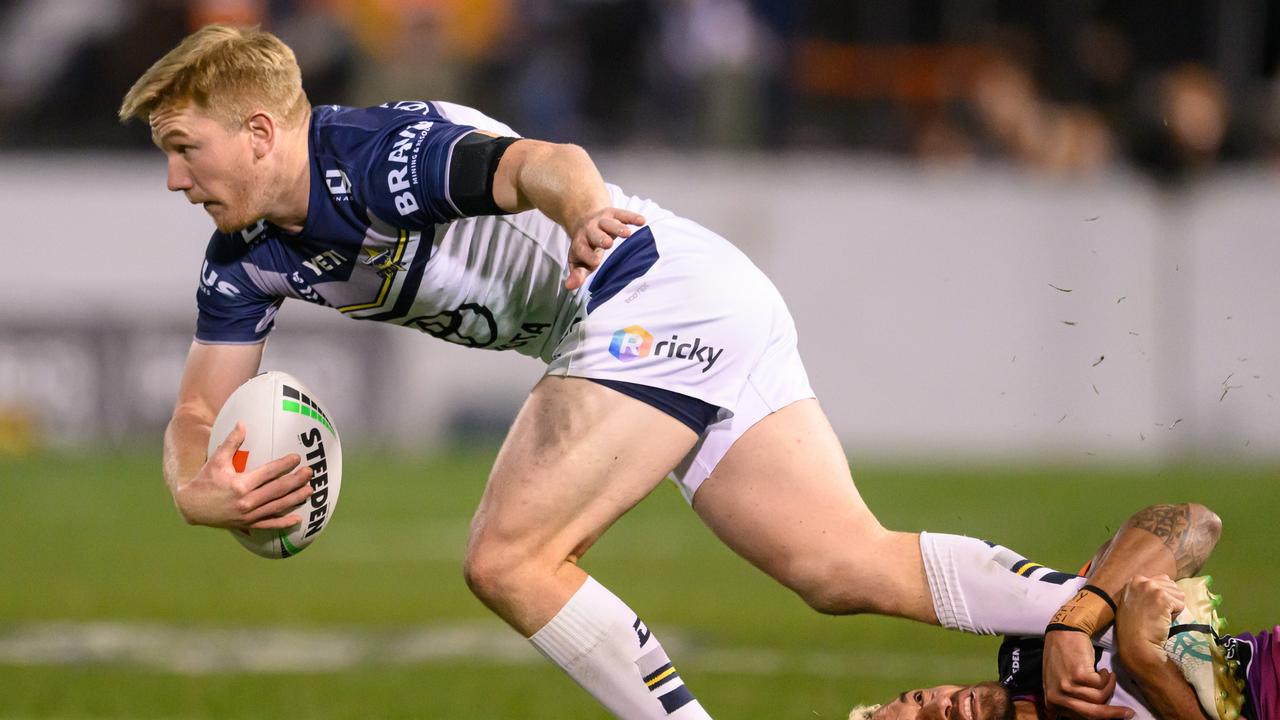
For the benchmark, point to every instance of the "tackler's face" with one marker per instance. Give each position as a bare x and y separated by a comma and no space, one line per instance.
984,701
212,165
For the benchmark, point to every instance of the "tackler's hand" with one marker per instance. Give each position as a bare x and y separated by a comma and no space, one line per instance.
591,236
220,496
1072,685
1148,606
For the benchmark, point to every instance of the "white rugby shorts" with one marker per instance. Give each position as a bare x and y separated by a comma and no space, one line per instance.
700,320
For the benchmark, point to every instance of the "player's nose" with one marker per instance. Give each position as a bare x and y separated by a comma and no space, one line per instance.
179,179
940,704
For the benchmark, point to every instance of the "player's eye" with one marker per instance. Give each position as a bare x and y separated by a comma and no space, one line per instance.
918,696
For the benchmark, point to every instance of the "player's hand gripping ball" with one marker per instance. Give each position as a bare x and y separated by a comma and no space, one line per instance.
282,416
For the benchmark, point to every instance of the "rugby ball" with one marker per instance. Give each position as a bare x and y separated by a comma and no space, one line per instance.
281,416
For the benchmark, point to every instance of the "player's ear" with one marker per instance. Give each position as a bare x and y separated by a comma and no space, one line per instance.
262,133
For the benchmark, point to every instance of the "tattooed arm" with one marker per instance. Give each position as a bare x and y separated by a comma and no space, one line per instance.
1184,536
1172,540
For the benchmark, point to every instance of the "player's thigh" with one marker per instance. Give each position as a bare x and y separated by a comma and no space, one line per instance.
578,456
784,489
783,498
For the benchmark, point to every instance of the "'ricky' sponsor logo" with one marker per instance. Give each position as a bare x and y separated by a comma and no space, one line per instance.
634,342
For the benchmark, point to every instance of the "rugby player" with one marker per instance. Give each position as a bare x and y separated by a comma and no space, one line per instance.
668,354
1228,676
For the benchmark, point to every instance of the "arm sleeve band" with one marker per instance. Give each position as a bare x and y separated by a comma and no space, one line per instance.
1090,612
471,170
1102,594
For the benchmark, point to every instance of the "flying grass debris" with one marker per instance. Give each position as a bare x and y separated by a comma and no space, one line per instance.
1228,388
1175,423
1072,323
1095,389
1122,299
1064,417
1099,362
1055,287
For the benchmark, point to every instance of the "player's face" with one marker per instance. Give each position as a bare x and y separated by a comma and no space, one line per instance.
212,165
984,701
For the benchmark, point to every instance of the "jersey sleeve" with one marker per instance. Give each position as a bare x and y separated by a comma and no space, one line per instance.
427,171
232,309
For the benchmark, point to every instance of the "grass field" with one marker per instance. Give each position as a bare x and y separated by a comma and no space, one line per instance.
112,608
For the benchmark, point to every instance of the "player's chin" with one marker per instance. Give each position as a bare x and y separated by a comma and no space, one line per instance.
225,221
993,701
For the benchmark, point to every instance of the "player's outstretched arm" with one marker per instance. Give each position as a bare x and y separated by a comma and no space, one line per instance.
207,490
563,183
1173,540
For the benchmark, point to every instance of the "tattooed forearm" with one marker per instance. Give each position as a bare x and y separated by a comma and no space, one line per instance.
1167,522
1190,532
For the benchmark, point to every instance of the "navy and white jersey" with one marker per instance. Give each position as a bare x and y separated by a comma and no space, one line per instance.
384,239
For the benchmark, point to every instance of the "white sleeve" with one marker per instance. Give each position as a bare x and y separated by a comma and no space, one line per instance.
463,115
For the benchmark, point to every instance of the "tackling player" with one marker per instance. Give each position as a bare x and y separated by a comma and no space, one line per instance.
1159,668
667,351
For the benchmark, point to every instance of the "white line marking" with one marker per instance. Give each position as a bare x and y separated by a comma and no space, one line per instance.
203,651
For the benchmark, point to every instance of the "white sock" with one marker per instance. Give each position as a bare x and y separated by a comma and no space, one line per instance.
991,590
606,649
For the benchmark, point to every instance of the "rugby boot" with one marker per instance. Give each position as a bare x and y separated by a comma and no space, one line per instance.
1194,643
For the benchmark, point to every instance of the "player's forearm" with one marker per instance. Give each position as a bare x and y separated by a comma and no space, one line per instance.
1162,683
1174,540
562,182
186,442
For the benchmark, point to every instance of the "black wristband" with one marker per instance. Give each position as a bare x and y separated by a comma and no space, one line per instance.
1051,627
1102,594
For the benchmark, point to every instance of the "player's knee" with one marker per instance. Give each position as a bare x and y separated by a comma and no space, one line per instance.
493,571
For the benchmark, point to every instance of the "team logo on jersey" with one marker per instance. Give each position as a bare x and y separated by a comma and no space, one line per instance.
634,342
631,343
338,183
382,261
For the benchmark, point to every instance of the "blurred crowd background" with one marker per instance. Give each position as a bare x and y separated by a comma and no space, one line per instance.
1172,87
969,205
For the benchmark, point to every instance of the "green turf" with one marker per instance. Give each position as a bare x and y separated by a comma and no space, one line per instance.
94,537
